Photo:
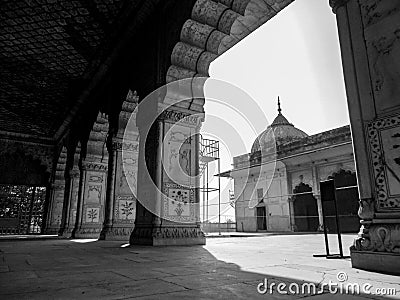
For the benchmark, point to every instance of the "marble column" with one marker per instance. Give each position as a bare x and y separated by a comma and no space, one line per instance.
93,183
121,196
74,175
320,216
57,196
168,195
317,196
291,211
369,33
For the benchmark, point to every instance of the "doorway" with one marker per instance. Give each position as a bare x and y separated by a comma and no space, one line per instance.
305,209
261,218
347,203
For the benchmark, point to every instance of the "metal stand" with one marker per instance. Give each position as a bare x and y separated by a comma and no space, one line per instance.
328,193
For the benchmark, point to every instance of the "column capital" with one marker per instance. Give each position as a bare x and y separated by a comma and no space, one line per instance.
366,210
94,166
74,172
119,145
335,4
186,118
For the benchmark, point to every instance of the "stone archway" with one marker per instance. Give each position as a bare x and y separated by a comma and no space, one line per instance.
368,34
214,27
57,195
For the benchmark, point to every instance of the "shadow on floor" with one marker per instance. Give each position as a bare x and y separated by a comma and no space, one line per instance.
66,269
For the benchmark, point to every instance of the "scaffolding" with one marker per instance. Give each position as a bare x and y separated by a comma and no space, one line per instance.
209,152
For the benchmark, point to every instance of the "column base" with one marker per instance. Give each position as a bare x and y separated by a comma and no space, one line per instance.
377,247
52,230
87,232
67,233
117,233
383,262
167,236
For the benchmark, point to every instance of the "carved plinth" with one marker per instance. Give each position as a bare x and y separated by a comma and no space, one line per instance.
117,232
52,230
167,236
67,233
88,232
378,238
377,248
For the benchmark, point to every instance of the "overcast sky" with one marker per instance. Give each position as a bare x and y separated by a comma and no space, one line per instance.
296,56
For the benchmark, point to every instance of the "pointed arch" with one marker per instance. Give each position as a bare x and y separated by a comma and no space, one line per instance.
57,194
344,178
215,27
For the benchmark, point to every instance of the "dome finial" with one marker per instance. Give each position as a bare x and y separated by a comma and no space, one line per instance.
279,106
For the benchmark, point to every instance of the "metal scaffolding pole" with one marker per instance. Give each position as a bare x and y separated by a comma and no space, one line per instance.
204,199
219,197
207,190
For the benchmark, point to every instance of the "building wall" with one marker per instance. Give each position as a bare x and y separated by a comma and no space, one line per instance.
274,186
312,174
278,188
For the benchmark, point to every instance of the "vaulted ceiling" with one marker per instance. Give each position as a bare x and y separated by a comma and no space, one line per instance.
50,51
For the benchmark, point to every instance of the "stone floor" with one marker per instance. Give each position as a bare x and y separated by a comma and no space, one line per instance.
226,268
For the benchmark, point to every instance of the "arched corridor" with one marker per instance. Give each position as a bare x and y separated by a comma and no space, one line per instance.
71,84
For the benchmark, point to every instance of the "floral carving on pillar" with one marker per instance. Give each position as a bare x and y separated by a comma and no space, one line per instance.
94,168
121,198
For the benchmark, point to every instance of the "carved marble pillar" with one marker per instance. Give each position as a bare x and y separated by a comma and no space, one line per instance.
317,196
291,211
57,196
168,209
74,177
93,183
320,216
121,196
369,32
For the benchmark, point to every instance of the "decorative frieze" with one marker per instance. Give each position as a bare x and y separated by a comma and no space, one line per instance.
384,143
169,233
93,166
125,146
181,117
379,238
178,232
335,4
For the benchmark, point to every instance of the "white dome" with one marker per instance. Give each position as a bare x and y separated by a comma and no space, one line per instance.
278,133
